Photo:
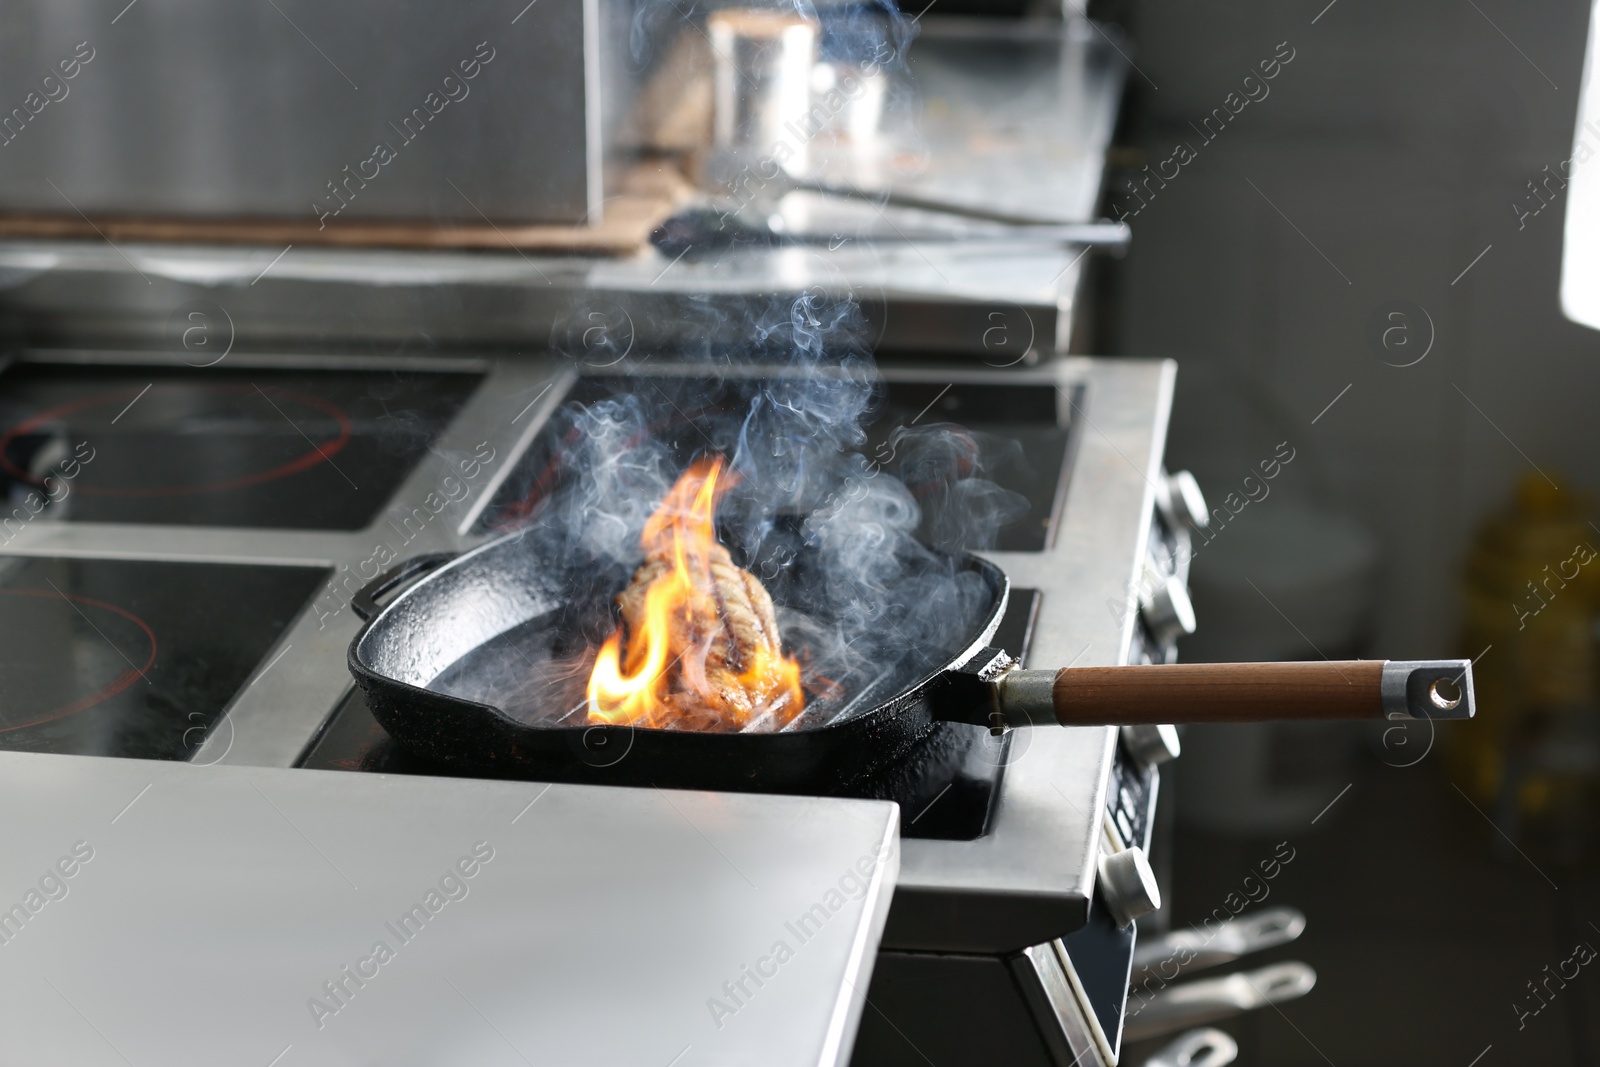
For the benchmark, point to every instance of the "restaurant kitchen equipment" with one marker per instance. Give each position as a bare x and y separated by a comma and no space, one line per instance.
991,864
1001,854
235,440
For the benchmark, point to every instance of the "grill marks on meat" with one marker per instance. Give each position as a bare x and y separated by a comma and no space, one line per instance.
723,639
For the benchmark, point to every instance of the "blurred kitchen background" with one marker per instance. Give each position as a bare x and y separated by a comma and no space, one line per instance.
1357,265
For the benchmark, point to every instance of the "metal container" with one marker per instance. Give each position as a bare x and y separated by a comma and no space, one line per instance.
761,89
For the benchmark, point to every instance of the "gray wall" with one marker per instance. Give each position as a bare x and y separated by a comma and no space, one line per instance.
1396,142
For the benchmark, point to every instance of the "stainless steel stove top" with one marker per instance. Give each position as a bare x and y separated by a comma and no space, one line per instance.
1014,891
1030,877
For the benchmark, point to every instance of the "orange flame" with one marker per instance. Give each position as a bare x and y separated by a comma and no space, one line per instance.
697,648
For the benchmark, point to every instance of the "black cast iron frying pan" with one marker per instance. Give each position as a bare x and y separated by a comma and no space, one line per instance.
433,665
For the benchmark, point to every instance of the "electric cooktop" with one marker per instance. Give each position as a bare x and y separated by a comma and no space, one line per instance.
1009,438
1012,436
220,446
140,657
108,657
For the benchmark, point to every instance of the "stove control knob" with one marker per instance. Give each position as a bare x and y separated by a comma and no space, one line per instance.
1128,885
1181,501
1167,610
1151,745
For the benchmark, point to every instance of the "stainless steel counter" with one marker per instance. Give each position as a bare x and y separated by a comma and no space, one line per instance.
162,913
1019,119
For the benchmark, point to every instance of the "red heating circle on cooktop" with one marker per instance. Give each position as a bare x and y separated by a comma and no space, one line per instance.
105,692
320,453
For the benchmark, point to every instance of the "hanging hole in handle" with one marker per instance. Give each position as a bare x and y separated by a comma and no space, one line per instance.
1281,984
1213,1053
1440,693
1286,981
1272,926
1198,1048
1276,925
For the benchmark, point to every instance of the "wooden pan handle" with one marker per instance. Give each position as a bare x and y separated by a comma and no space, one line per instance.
1211,692
1238,692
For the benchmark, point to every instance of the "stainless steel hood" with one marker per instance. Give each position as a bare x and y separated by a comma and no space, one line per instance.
302,110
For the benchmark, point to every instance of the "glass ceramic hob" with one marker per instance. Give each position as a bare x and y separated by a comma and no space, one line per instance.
139,658
217,446
1011,436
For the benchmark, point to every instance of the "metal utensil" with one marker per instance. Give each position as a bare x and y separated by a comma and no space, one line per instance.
709,230
1198,947
774,182
899,198
1197,1048
1209,999
761,84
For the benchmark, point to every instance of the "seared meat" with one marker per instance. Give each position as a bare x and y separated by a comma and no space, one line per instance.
698,648
723,643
